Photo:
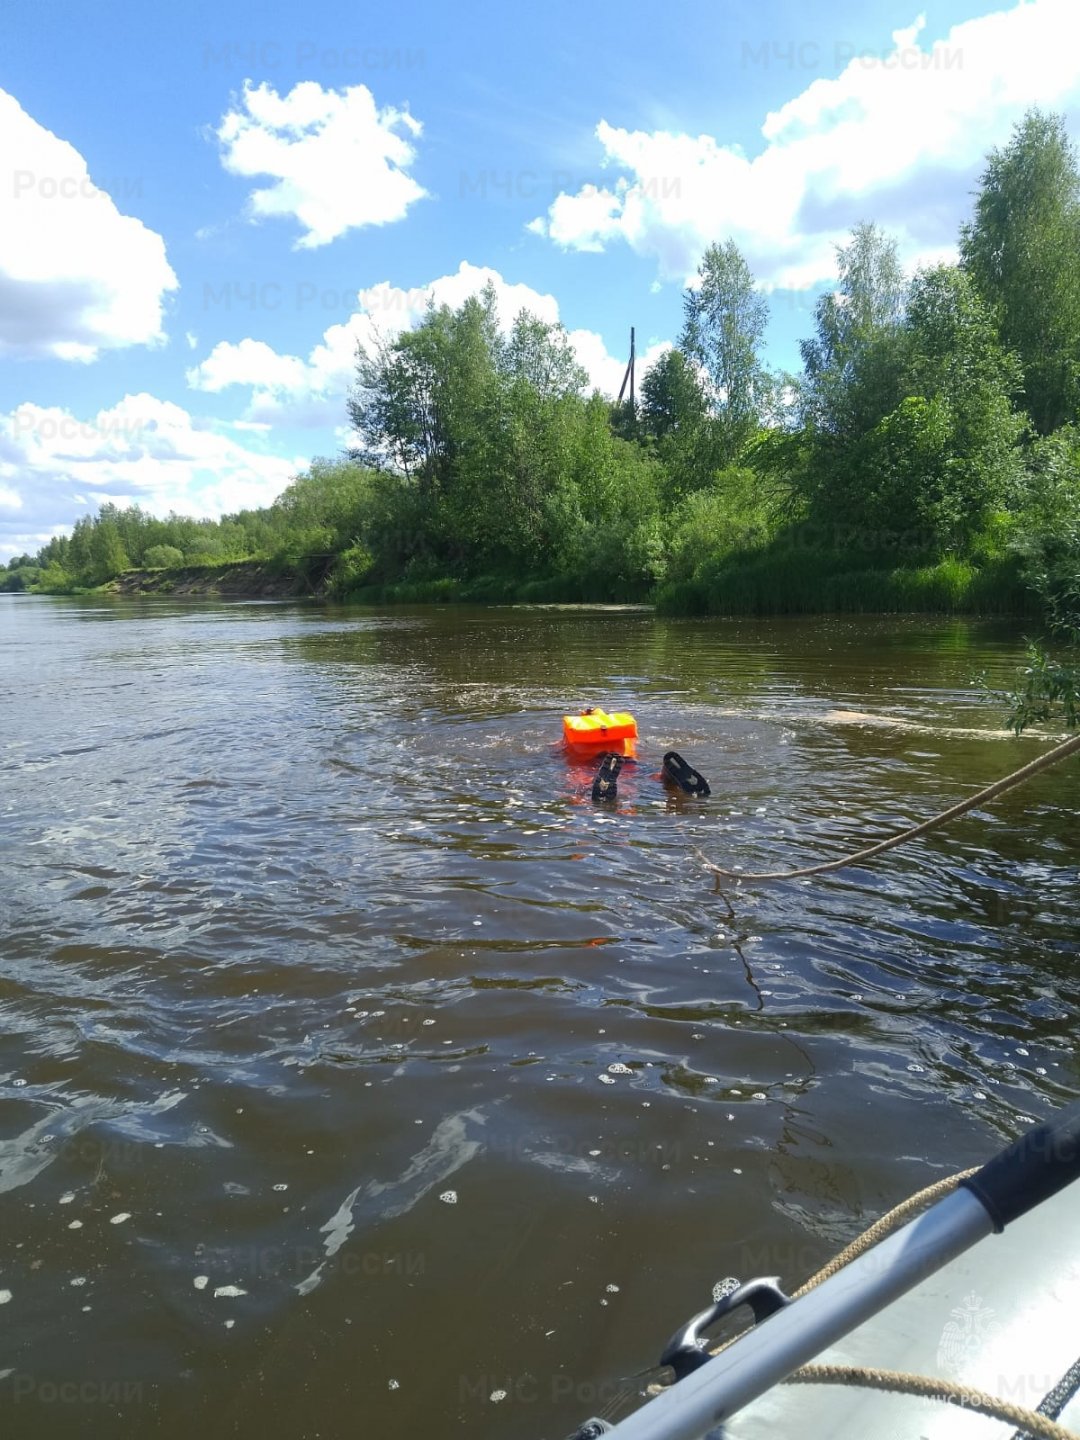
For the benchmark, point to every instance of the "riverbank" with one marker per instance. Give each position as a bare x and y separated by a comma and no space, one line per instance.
238,580
259,579
769,583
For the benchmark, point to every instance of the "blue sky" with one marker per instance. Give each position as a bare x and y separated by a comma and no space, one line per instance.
203,208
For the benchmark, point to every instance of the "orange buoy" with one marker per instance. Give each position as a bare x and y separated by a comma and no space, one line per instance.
595,731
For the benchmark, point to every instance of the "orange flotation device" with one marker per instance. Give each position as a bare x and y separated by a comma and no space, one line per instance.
596,731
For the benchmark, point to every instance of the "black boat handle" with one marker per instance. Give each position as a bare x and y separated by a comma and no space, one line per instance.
1038,1165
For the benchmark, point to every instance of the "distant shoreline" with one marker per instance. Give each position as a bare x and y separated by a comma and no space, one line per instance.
898,592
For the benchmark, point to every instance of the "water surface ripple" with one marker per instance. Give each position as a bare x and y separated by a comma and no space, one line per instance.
355,1068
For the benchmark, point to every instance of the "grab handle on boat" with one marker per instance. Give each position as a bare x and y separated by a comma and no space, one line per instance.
1038,1165
688,1349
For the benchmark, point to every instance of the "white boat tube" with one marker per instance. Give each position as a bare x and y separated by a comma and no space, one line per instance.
1036,1167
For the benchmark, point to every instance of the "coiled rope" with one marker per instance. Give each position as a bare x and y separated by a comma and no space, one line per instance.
982,797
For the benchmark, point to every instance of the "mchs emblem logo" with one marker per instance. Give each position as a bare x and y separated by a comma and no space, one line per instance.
970,1325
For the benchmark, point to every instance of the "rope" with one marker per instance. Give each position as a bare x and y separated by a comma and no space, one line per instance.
880,1228
990,792
888,1222
930,1389
1053,1404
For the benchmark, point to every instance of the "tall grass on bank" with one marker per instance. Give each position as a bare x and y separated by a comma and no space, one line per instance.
783,581
503,590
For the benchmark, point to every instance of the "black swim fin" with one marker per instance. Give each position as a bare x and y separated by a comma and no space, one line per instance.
679,773
606,784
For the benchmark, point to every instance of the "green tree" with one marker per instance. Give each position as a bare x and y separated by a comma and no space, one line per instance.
677,420
20,575
55,552
412,398
955,363
946,456
486,434
852,378
852,365
1022,249
540,356
724,319
672,397
80,558
323,509
107,554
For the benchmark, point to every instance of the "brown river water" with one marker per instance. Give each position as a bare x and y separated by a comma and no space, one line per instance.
360,1078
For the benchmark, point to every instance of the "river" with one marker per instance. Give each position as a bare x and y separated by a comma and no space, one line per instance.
355,1069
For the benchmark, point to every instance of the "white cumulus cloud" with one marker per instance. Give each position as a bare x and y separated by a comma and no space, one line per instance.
56,466
312,391
76,275
897,137
337,162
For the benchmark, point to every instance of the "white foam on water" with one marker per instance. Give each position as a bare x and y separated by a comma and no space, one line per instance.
23,1157
446,1152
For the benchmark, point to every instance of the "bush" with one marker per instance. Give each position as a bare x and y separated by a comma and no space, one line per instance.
1049,689
729,515
1047,533
55,580
350,570
163,557
205,550
493,589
